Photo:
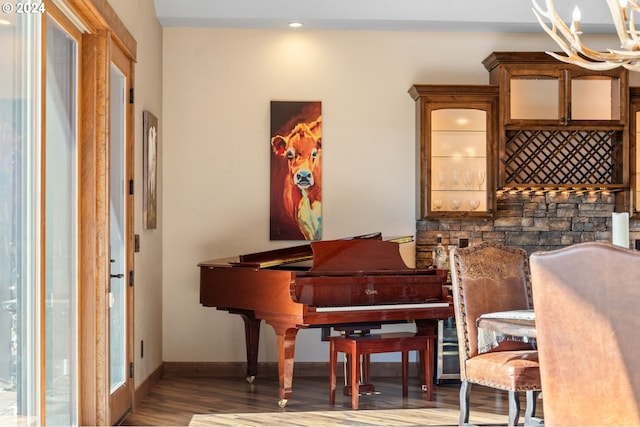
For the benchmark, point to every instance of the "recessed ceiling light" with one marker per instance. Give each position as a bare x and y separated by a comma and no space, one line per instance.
295,24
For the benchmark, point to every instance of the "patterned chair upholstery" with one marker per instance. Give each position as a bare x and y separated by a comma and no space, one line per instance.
491,277
587,298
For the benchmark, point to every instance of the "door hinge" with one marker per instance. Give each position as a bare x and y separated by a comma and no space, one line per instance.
131,96
131,187
130,369
131,278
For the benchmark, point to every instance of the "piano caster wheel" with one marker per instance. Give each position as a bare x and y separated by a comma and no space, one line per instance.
251,378
282,403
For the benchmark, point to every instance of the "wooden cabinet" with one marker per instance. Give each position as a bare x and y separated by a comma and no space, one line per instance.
455,144
561,126
540,125
634,130
535,88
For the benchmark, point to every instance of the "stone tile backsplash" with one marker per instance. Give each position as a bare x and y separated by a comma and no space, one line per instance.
535,222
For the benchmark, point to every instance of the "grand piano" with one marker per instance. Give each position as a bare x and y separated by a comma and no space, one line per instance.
350,284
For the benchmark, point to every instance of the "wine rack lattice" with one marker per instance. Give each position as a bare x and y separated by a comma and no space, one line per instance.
563,157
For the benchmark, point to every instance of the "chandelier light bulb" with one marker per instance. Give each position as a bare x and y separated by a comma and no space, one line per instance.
575,25
577,15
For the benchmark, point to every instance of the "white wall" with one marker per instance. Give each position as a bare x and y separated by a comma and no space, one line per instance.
140,19
217,84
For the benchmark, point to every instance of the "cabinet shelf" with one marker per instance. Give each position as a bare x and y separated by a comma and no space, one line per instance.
459,190
457,157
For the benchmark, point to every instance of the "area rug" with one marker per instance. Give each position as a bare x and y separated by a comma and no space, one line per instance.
386,418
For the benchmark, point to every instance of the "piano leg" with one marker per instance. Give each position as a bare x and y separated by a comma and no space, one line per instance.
286,340
252,336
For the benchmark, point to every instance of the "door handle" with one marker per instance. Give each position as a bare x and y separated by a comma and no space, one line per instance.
116,276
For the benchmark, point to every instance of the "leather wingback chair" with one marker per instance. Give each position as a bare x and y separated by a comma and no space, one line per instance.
587,298
486,278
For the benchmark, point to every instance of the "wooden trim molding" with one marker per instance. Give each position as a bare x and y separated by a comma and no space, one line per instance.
99,15
145,388
270,369
94,256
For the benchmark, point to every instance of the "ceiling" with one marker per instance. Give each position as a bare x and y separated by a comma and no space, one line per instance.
377,15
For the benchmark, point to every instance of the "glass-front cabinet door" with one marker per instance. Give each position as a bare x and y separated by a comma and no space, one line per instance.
535,95
585,87
543,91
562,97
634,124
456,145
458,158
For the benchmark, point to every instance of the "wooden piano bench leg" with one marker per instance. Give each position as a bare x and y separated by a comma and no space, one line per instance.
355,374
333,358
353,348
405,373
427,361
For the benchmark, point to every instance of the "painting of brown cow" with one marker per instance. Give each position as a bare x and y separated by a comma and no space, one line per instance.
296,170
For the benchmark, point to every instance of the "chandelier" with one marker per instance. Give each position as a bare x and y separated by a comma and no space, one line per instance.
568,37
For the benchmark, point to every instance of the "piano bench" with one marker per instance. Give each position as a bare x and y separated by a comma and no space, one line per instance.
355,346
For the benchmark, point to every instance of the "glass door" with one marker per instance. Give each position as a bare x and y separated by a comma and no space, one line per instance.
61,224
120,240
20,217
117,223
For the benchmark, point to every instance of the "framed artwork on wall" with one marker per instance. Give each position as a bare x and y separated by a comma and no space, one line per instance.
296,170
149,158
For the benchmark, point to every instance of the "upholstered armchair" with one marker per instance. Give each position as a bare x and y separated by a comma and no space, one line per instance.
587,302
491,277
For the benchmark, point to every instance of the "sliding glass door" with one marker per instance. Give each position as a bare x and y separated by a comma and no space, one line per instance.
61,224
20,236
65,353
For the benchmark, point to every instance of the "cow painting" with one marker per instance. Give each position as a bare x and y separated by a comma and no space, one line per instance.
297,177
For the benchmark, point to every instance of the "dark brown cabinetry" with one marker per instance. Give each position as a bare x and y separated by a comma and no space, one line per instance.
634,131
561,126
456,134
545,126
535,89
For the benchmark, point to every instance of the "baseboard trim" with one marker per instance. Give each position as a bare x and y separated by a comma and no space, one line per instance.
143,389
270,369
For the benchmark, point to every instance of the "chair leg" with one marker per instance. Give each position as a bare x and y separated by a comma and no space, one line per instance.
530,412
465,391
514,408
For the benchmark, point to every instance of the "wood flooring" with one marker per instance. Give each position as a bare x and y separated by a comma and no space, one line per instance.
200,401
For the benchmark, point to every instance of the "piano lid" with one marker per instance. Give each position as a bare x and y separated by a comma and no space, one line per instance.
276,257
299,255
356,255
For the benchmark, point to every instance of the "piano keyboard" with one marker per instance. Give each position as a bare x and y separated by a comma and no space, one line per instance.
381,307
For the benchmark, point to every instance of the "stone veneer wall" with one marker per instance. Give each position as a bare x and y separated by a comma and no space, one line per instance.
530,221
